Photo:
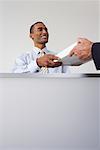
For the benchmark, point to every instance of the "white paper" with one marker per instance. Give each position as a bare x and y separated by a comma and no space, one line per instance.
67,60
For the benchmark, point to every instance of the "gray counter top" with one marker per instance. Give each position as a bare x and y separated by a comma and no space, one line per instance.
29,75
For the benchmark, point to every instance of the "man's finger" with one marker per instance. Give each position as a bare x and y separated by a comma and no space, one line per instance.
52,57
51,63
71,53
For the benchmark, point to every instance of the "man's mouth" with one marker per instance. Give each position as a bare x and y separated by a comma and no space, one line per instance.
44,37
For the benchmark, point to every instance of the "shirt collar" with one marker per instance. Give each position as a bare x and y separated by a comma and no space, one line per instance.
37,50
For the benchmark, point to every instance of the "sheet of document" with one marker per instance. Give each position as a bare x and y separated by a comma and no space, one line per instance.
67,60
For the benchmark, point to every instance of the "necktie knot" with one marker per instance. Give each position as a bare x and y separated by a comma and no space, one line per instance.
44,70
42,53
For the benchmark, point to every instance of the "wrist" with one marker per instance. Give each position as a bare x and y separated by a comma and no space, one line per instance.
91,50
38,63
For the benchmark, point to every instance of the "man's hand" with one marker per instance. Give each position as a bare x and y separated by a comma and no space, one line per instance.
83,49
48,61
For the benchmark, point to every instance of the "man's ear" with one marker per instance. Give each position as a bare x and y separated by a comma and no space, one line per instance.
31,35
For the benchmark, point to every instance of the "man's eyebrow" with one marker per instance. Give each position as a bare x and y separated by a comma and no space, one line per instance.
42,28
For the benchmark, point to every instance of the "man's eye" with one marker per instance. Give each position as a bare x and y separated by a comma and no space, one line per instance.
40,29
46,29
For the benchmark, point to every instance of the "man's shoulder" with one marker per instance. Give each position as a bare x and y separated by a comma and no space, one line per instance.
24,55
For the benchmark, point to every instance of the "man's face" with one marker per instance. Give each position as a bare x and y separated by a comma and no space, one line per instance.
40,33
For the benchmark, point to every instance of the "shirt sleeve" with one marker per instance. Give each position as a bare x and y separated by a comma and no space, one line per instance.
65,69
23,66
96,54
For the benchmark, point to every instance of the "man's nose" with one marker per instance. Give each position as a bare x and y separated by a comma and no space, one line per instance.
44,31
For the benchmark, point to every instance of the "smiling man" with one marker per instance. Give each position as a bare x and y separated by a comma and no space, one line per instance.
39,60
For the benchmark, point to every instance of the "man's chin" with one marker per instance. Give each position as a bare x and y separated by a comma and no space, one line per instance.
44,41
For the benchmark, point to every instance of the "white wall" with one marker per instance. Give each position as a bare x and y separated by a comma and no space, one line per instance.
66,20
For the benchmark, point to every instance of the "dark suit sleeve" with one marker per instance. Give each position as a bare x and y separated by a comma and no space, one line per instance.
96,54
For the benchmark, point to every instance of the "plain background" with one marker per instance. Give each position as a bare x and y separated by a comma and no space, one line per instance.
66,21
75,109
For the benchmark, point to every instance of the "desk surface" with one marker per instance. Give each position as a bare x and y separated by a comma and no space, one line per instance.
29,75
49,112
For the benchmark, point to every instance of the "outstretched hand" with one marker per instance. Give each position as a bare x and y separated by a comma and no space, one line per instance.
83,49
48,61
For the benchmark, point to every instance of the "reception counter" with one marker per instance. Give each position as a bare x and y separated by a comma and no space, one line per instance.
49,112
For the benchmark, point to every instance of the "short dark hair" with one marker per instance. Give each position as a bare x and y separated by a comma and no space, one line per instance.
31,28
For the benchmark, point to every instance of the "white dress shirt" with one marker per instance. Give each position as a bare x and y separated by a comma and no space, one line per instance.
26,63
